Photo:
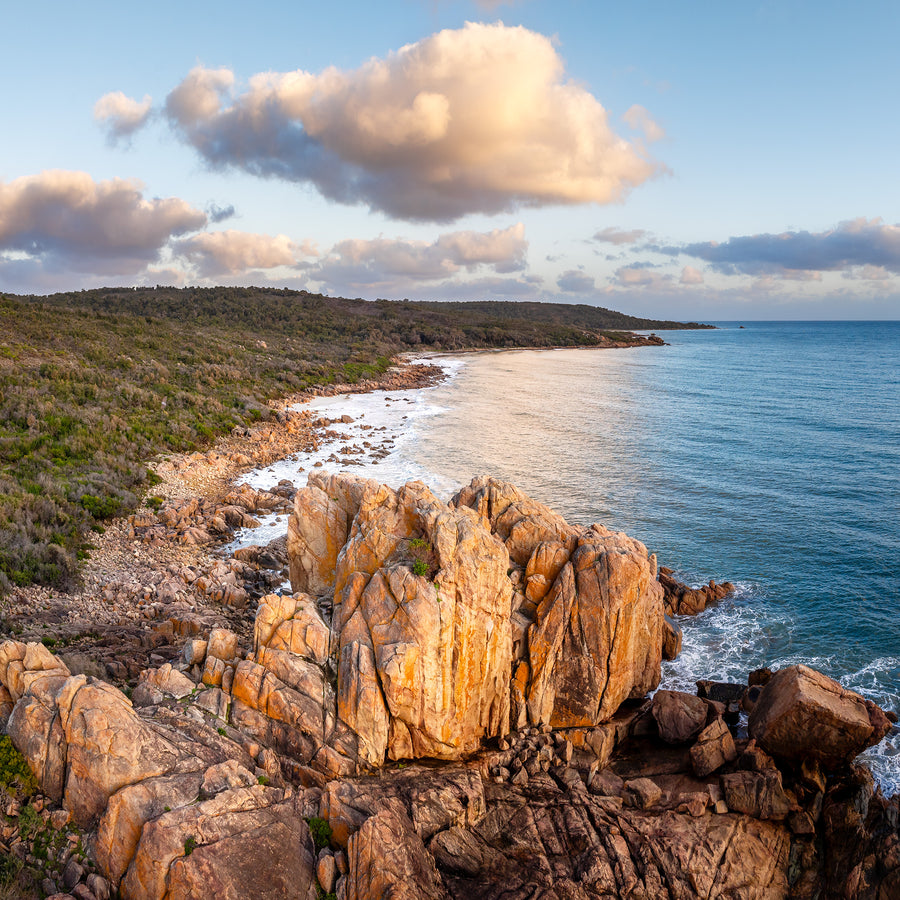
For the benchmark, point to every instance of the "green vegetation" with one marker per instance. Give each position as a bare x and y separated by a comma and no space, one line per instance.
422,558
320,831
15,775
190,845
95,383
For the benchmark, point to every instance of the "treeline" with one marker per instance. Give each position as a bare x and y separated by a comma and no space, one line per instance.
95,383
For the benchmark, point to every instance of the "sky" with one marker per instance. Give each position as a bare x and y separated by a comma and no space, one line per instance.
699,160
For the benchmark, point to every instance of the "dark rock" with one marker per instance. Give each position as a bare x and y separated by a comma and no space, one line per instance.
759,676
679,716
756,794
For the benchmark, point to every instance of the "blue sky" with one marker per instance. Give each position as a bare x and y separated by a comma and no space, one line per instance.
700,160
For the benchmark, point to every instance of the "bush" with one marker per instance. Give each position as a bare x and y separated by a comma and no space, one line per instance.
15,775
320,831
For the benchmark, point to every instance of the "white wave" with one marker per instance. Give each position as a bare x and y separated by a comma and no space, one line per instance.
728,640
388,420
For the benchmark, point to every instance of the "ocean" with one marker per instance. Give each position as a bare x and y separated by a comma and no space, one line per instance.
767,455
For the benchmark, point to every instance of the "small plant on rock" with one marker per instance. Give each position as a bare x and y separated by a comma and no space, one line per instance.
320,831
190,845
422,559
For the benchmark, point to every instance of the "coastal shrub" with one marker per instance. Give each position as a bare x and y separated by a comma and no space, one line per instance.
423,561
15,775
320,831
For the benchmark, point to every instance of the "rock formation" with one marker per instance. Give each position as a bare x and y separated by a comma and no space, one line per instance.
424,650
452,705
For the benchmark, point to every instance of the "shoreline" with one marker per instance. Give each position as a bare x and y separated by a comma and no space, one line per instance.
139,599
127,584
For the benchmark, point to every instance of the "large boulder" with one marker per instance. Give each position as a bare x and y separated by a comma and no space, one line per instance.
679,716
421,628
802,713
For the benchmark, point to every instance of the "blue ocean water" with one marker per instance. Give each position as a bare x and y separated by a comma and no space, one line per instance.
767,455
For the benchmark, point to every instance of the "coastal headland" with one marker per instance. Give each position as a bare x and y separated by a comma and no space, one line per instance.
450,700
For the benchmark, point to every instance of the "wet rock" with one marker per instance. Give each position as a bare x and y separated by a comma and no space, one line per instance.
686,601
672,639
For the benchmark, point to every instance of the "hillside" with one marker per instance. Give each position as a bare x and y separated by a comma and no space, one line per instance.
95,383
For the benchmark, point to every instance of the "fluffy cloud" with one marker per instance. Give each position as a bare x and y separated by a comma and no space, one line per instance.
233,252
618,237
383,260
575,282
860,242
690,275
66,220
122,116
479,119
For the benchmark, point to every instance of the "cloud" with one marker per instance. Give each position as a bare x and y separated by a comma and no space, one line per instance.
640,276
690,275
122,116
66,220
617,236
868,273
383,260
219,213
232,252
575,282
638,118
198,97
860,242
479,119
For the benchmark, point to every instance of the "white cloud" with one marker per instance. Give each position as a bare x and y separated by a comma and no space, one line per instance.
480,119
690,275
121,115
232,252
64,219
638,118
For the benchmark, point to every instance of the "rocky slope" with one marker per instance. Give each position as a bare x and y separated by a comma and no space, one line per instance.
452,703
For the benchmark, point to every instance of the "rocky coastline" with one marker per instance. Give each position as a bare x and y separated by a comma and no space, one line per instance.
451,701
